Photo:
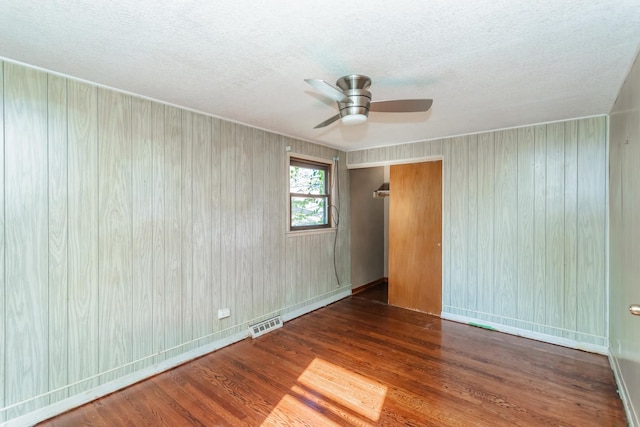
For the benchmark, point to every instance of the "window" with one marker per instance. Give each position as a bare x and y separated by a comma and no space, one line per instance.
309,194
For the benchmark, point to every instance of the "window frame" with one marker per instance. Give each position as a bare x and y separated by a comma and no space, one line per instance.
318,163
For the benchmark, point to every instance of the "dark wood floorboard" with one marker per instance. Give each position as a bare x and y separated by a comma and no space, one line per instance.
379,292
360,362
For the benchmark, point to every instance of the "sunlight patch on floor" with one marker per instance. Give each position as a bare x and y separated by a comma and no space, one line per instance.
354,391
290,411
330,388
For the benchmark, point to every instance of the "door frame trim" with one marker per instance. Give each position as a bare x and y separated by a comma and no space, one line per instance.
397,162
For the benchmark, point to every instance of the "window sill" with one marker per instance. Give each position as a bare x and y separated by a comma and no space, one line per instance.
301,233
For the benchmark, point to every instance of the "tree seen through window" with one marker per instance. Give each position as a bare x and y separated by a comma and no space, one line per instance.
309,194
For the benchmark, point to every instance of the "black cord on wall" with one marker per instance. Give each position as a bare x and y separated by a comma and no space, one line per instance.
335,212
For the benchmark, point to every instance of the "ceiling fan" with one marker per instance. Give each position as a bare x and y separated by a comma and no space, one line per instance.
354,100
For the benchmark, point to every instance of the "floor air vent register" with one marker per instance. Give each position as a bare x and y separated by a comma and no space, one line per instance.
265,326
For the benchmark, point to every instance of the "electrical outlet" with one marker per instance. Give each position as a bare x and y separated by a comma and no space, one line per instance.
223,313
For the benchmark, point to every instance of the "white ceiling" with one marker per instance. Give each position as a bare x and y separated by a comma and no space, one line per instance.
487,64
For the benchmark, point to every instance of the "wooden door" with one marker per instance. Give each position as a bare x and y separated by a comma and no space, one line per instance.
415,236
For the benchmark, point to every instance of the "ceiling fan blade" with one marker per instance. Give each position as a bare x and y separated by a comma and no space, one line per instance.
328,121
401,105
329,90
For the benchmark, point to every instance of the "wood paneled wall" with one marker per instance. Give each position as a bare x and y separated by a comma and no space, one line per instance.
524,225
125,224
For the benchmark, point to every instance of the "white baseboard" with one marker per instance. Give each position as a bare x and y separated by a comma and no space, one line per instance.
551,339
345,292
80,399
623,392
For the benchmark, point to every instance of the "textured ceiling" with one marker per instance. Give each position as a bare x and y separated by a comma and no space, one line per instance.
487,64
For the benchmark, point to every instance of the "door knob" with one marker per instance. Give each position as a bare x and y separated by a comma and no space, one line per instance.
634,309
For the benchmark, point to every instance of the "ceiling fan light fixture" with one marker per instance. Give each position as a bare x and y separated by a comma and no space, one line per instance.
354,119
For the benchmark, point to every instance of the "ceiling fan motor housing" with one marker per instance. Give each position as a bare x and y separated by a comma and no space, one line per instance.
360,100
355,88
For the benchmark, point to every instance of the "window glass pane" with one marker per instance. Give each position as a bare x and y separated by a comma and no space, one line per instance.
308,211
305,180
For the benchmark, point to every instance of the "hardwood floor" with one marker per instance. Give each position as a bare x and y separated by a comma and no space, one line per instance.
379,292
359,362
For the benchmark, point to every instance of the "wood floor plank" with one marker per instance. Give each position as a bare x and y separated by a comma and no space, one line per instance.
361,362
